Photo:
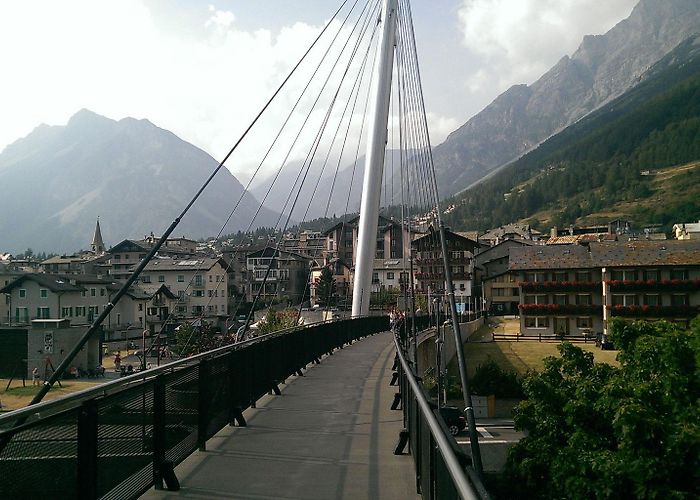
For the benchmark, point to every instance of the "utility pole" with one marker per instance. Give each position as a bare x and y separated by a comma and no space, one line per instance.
374,163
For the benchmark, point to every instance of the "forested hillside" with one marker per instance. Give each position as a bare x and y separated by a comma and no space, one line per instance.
607,160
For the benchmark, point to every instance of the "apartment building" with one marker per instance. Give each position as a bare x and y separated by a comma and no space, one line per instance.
199,285
574,289
287,279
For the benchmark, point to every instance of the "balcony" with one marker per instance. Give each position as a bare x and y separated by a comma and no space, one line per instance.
654,311
655,285
560,309
559,286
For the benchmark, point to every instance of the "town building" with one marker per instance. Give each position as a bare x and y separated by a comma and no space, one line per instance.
288,277
78,299
687,231
199,286
429,270
576,289
509,232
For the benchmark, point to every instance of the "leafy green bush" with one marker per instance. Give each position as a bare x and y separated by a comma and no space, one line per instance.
490,378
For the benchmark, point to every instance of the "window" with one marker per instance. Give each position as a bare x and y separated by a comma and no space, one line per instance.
180,278
140,307
117,257
211,308
83,293
152,311
583,276
623,274
22,293
584,299
560,277
375,277
197,309
198,280
536,322
652,300
624,300
679,274
161,278
390,276
499,292
66,312
181,309
198,293
584,323
561,299
211,293
146,278
80,311
43,313
515,292
535,299
679,299
535,277
93,292
651,274
181,295
43,293
102,292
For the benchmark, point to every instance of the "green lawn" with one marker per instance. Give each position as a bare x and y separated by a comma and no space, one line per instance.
524,355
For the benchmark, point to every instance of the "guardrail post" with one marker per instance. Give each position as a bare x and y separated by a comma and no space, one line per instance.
158,431
87,450
203,406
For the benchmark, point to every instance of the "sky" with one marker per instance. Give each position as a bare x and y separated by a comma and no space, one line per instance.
203,69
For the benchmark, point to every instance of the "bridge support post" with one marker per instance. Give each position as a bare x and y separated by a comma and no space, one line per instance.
403,441
203,406
87,450
397,401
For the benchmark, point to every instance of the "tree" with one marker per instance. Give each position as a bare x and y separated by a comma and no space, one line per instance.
185,339
597,431
325,288
275,321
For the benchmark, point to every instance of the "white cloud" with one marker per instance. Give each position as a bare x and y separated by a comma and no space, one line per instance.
112,58
518,40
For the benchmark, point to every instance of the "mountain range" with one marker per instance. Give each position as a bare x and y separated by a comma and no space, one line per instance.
602,68
634,158
135,176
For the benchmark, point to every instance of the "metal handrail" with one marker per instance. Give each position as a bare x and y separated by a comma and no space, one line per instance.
458,474
74,399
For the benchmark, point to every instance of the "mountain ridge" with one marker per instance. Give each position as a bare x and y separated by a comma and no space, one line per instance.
135,175
602,68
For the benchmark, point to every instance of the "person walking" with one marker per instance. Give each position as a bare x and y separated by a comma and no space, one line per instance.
35,377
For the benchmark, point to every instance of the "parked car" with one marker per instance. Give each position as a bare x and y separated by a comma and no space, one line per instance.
454,419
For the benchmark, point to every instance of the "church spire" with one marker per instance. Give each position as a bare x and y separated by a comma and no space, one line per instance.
98,246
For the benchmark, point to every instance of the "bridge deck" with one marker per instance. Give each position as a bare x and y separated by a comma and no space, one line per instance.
329,435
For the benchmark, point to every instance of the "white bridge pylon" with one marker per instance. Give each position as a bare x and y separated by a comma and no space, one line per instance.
374,161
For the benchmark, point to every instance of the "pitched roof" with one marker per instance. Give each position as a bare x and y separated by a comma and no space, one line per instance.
550,257
53,282
194,264
646,253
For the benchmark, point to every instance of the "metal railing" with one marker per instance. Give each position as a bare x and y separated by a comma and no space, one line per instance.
443,469
118,439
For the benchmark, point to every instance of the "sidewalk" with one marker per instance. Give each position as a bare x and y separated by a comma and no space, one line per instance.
330,435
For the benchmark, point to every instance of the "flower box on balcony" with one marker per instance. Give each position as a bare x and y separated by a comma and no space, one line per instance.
654,311
657,285
559,286
559,309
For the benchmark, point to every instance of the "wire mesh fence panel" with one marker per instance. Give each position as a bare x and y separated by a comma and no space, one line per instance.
181,405
40,460
125,441
218,395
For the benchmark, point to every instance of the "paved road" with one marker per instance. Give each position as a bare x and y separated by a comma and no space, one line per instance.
330,435
496,436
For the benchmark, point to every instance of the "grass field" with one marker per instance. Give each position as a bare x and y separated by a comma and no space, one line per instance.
518,356
17,396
